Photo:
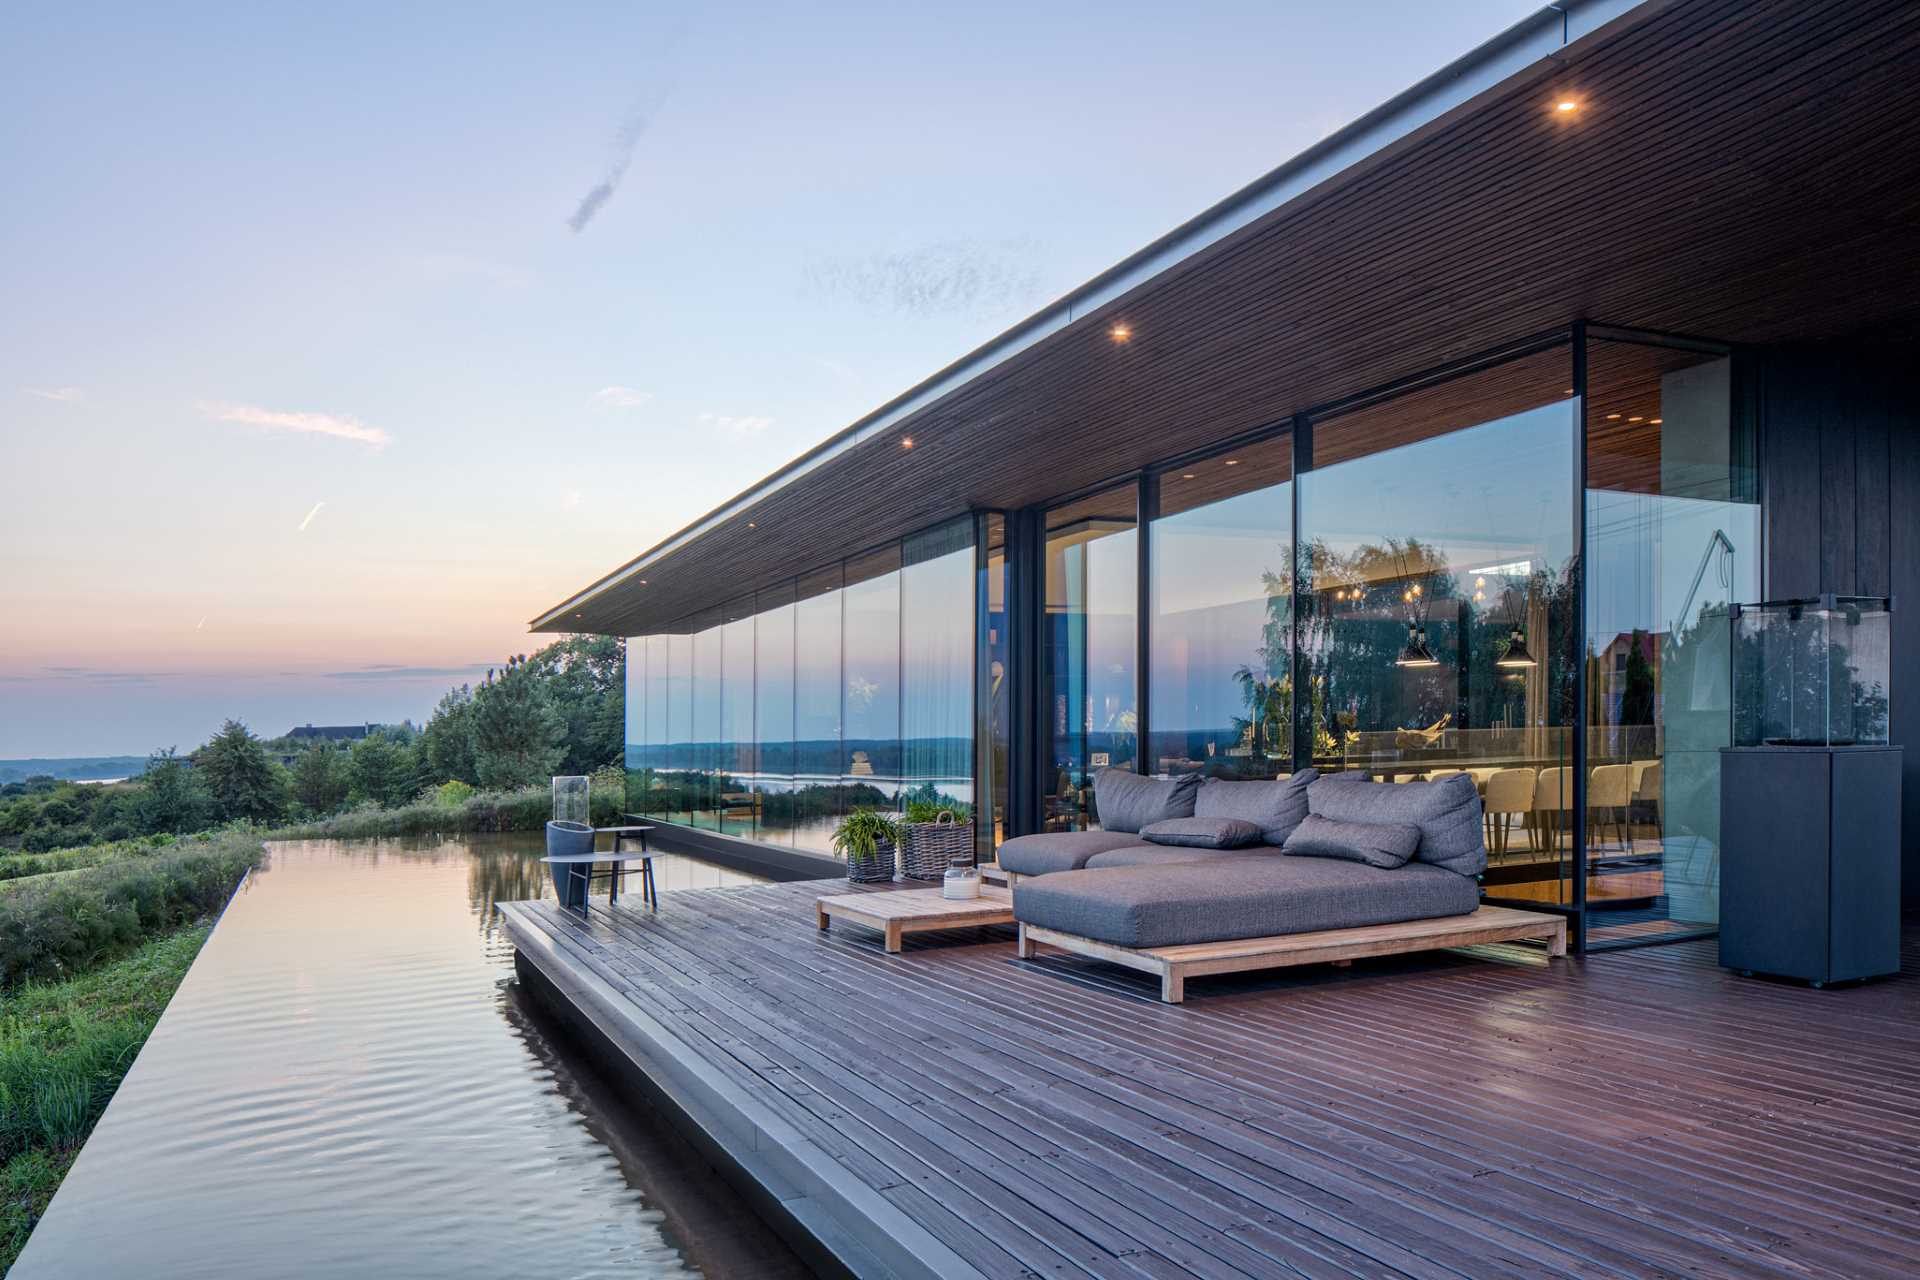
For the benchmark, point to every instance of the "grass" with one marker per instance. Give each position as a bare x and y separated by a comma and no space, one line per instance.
64,1048
526,809
18,869
60,925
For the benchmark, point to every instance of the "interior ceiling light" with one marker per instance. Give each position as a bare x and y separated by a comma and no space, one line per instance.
1516,657
1120,333
1416,654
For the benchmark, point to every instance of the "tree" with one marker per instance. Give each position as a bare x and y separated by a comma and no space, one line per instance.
172,797
448,738
382,771
321,779
517,734
238,775
586,678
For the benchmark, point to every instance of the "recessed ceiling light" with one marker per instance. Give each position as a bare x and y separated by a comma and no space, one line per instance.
1612,417
1566,106
1636,418
643,582
906,442
1186,475
1233,462
752,525
1656,421
1120,333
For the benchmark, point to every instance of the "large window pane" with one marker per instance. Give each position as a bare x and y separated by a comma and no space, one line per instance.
1091,699
1220,620
682,782
635,709
772,770
994,727
734,799
1439,530
1673,539
936,666
816,732
871,771
708,650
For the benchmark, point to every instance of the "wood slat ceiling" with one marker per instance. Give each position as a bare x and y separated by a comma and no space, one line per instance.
1742,171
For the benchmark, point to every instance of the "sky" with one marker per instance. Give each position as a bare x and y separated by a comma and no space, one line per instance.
340,340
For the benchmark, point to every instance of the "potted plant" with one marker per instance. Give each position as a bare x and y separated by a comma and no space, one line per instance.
866,839
934,834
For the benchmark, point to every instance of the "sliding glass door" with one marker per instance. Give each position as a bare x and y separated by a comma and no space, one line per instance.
1089,687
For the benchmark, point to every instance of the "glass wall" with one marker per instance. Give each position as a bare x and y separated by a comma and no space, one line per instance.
816,709
1088,676
1220,615
1439,534
936,667
992,678
769,718
771,778
1673,538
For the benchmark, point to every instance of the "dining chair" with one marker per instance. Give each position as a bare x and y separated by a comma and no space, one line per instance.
1509,794
1552,798
1609,796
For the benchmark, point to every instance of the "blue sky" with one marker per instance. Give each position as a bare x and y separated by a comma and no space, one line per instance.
320,371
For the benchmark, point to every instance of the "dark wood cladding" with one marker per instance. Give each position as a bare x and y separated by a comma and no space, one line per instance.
1742,171
1485,1115
1840,455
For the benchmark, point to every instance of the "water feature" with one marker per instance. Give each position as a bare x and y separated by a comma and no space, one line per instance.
349,1083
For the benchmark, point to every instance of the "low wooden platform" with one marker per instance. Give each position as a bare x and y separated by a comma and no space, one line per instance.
899,912
954,1111
1174,965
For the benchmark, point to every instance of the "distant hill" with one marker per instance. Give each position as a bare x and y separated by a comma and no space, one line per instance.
72,767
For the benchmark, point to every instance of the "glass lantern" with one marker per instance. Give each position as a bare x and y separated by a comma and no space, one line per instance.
1812,672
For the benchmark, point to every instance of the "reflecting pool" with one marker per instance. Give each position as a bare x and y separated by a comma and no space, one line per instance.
349,1083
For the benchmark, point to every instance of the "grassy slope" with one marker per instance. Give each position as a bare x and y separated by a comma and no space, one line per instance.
63,1050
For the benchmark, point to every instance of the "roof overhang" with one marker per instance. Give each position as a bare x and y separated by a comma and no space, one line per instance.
1734,169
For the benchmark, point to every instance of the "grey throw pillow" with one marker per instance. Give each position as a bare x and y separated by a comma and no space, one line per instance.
1128,802
1447,813
1275,807
1378,844
1203,833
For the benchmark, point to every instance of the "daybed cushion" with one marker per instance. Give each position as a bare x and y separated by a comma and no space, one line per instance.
1243,896
1447,813
1275,806
1156,855
1378,844
1128,802
1203,833
1059,850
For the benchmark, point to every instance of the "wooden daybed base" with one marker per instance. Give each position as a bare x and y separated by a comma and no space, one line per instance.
1174,965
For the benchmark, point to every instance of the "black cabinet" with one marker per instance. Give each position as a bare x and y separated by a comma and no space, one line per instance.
1810,868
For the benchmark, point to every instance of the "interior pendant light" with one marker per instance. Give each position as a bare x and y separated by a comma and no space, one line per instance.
1416,654
1516,657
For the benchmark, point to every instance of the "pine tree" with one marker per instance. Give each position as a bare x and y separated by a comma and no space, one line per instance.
238,775
518,736
448,738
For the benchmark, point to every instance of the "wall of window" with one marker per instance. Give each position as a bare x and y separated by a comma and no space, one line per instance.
993,682
1220,615
1088,677
1440,536
852,685
1673,539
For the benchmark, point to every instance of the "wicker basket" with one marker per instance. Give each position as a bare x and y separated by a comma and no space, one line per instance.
873,867
932,846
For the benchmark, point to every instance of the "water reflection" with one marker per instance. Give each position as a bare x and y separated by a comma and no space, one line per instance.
347,1083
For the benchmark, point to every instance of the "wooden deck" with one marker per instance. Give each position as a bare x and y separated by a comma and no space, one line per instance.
954,1111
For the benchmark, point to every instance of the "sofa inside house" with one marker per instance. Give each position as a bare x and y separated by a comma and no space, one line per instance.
1187,860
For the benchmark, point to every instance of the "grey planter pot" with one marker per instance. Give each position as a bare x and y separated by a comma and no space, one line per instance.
565,839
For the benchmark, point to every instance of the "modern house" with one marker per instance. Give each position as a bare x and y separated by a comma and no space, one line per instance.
1445,446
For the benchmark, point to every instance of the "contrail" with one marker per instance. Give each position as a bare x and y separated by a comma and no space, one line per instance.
310,515
625,140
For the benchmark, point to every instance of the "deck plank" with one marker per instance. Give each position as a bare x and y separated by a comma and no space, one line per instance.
1480,1114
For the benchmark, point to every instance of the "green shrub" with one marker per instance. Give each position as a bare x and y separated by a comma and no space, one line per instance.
452,794
67,923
